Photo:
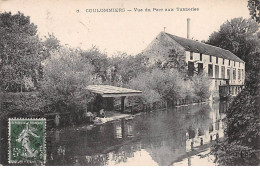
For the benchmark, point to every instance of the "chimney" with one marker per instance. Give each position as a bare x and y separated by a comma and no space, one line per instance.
188,28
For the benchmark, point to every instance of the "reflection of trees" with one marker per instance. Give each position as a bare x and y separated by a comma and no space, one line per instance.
162,134
167,132
164,137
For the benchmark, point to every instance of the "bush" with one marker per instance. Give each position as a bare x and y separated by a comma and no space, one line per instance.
167,85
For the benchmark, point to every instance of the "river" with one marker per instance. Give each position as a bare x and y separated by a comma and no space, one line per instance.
162,137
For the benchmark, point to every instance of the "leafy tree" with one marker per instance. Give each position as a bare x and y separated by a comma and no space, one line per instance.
253,76
21,52
175,60
98,60
127,67
66,76
238,36
254,9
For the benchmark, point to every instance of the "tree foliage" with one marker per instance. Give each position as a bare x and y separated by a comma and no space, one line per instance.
241,144
167,85
21,51
238,36
124,67
175,60
254,9
66,76
98,60
200,82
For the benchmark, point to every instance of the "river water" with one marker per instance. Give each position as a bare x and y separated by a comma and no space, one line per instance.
162,137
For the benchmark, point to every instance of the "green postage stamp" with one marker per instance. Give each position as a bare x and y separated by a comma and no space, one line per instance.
27,140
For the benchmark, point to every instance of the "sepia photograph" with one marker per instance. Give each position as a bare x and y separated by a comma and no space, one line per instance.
129,83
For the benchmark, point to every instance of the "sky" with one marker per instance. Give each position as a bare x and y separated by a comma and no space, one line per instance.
128,31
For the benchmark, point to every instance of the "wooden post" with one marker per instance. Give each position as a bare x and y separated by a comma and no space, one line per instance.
123,104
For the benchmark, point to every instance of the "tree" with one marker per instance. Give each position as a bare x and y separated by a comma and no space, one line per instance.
21,52
254,8
127,67
99,62
238,36
176,60
201,85
242,125
66,76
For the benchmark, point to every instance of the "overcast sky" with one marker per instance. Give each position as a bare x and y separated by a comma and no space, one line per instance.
127,31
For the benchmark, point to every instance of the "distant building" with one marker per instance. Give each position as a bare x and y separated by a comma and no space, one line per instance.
222,66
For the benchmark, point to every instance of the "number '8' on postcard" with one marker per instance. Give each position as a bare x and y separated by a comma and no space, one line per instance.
27,141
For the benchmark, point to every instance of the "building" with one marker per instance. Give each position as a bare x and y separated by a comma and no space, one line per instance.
223,67
105,95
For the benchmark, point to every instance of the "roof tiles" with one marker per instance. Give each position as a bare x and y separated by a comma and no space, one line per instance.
198,47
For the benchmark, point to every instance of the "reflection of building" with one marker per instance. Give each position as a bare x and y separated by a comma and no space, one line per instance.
222,66
203,133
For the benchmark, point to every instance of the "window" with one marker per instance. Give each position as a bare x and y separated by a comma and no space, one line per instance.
201,57
217,60
228,73
210,70
242,74
200,67
210,58
216,71
239,64
223,72
234,63
191,55
229,63
191,68
239,75
223,61
216,84
234,74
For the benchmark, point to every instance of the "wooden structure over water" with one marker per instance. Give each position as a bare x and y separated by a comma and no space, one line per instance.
106,93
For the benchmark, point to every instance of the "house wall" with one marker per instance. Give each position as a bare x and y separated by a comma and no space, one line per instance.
159,48
216,81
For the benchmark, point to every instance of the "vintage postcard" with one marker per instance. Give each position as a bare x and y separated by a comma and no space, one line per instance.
129,82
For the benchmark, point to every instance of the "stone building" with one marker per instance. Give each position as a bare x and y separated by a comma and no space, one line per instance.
222,66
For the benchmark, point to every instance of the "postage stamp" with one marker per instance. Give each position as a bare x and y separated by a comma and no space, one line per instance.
27,140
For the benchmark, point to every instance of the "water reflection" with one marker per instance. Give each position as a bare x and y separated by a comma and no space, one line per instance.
156,138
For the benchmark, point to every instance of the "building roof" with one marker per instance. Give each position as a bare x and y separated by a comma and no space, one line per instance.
198,47
113,91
